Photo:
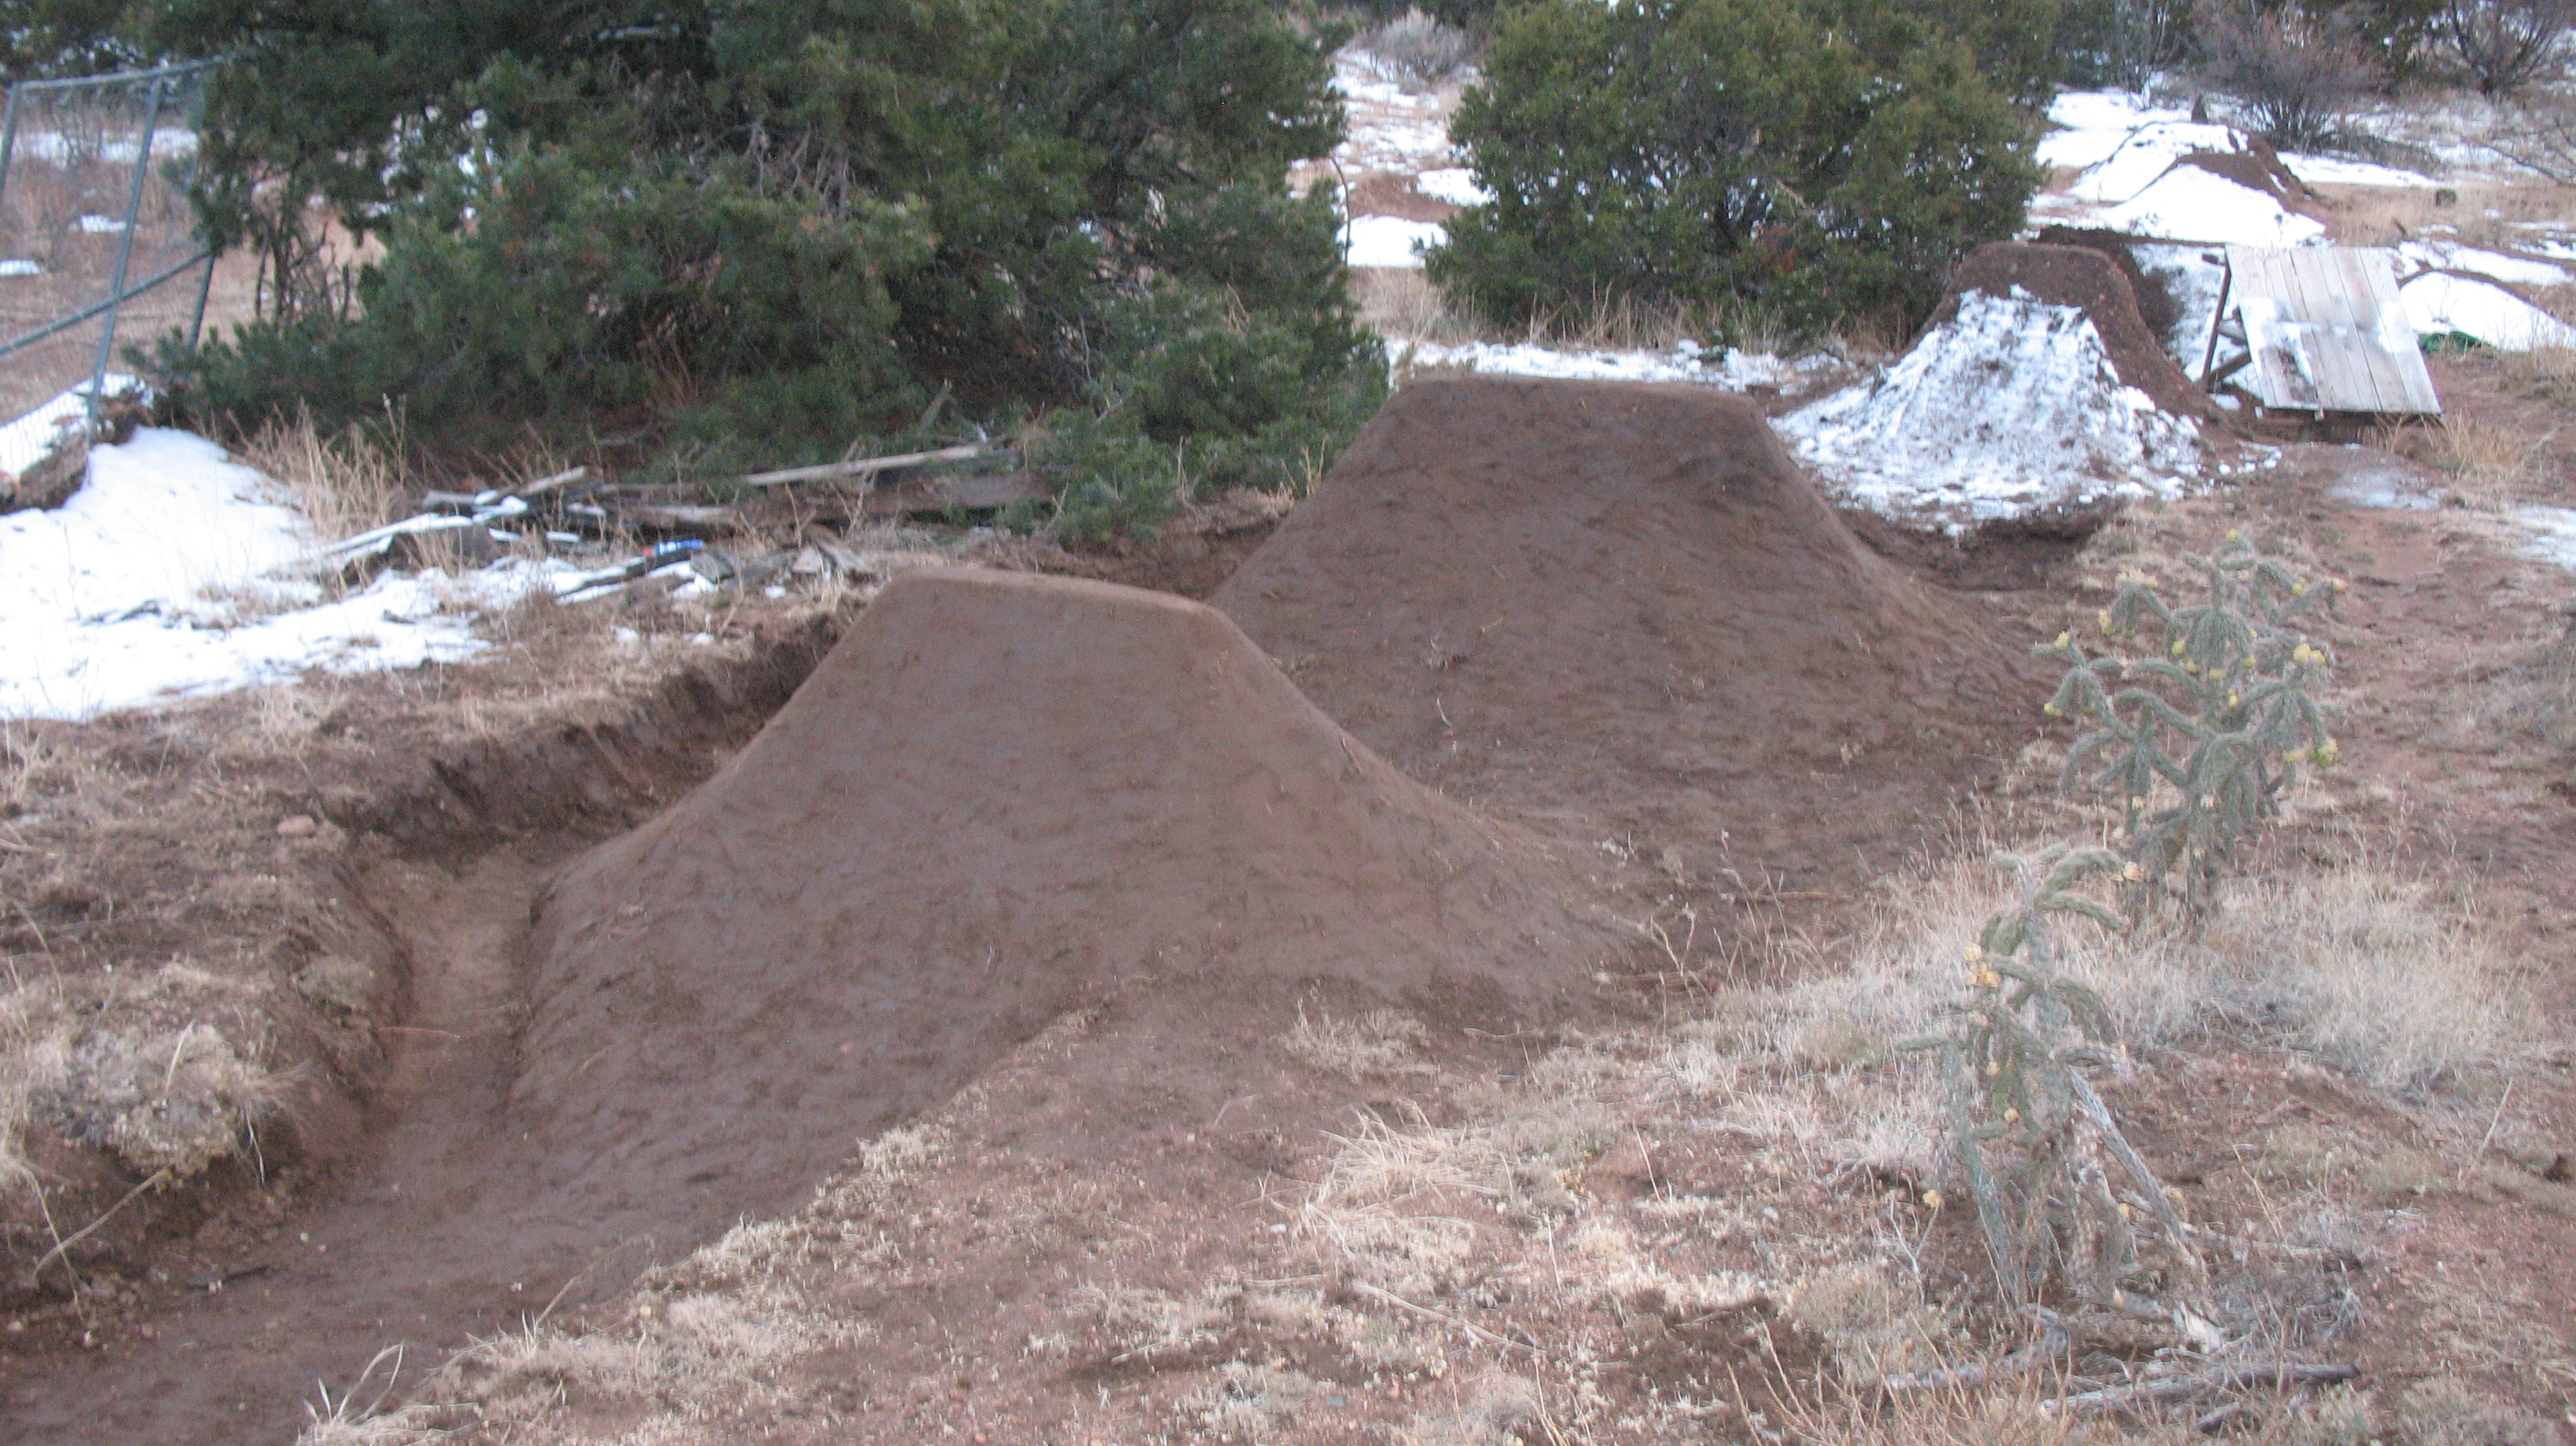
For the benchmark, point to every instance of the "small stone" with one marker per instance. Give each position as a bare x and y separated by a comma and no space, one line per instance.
297,825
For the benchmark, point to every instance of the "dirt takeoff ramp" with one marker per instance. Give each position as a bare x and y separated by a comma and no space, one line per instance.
1001,798
1620,612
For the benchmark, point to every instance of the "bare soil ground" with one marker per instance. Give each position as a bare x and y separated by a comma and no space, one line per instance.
1333,1200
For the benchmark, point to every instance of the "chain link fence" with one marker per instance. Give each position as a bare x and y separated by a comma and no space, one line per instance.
98,246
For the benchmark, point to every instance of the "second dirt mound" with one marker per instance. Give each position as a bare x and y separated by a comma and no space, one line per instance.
1000,799
1619,612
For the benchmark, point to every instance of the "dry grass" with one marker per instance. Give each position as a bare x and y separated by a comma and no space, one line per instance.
2491,466
344,485
1380,1042
2386,215
2369,968
1422,50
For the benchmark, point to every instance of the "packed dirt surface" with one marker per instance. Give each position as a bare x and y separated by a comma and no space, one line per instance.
1620,612
2093,283
1002,800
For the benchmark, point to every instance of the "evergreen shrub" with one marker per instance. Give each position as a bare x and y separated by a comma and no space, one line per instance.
762,235
1812,160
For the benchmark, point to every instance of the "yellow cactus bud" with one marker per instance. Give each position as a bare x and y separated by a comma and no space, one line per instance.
2234,702
2342,586
1994,1067
2136,804
2299,589
2133,873
2177,647
2103,616
1975,954
2124,1211
2064,637
2052,710
1932,1198
2235,535
2012,1117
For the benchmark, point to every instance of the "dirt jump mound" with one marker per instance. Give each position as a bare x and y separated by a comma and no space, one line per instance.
2037,388
1620,613
2095,284
1000,799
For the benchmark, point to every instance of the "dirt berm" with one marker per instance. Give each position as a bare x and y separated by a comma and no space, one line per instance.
2093,283
1000,799
1620,612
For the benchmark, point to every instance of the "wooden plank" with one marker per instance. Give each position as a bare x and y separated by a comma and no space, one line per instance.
866,466
2326,330
938,494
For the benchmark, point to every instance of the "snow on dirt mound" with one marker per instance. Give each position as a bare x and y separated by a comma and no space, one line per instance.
1618,612
2011,406
1000,799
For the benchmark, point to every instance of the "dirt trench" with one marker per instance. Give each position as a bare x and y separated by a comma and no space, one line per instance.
424,1227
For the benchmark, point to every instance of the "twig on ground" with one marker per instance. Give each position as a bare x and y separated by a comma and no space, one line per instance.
1426,1312
77,1236
2055,1345
2183,1388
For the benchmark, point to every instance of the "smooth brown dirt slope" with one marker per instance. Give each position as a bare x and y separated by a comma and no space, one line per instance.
1618,611
1000,799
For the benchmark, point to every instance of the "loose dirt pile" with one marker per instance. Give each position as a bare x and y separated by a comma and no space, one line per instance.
1619,613
1002,799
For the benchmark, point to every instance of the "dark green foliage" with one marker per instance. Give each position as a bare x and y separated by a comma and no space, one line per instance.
1819,161
787,226
42,39
2029,1131
2201,735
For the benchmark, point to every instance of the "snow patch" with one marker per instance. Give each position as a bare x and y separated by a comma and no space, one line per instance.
2009,407
2553,533
1724,368
2188,203
2437,303
1390,240
2452,256
170,573
1453,184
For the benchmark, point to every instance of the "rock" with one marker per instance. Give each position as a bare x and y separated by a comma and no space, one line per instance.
297,825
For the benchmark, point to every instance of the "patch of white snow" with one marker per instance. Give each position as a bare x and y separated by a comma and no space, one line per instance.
159,579
2452,256
2438,303
1453,184
1390,240
2553,533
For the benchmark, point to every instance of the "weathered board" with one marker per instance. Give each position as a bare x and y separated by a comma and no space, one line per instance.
2326,332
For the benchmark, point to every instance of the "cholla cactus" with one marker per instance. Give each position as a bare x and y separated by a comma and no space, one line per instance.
2204,731
2029,1132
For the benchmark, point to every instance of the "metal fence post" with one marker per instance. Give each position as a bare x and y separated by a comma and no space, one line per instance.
125,250
8,142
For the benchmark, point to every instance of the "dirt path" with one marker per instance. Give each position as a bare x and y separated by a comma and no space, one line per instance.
415,1241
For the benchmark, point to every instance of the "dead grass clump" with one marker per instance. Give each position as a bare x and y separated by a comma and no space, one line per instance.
139,1068
2491,466
2443,1412
1402,305
344,485
1421,50
1380,1042
2533,699
2363,967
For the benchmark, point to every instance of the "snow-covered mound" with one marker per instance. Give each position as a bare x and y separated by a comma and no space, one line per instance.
2453,256
2438,303
2190,203
162,577
2010,407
